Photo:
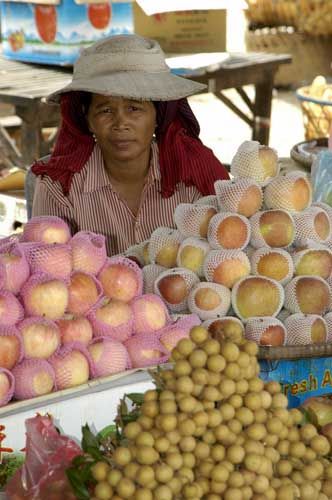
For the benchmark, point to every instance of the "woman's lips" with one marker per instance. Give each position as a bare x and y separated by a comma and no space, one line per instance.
122,144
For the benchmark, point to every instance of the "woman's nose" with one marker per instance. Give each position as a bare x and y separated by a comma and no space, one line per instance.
120,120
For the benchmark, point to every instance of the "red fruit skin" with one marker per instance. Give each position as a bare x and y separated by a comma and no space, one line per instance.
99,15
46,22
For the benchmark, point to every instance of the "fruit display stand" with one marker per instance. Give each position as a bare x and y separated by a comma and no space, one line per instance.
94,402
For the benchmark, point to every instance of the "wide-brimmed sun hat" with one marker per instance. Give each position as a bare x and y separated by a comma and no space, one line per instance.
127,66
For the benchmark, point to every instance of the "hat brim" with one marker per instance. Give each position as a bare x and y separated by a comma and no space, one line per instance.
164,86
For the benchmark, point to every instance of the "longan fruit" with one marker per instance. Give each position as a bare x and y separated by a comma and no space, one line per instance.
132,429
100,471
199,334
189,460
125,488
122,456
219,473
185,346
144,439
143,494
211,346
145,475
130,470
182,367
163,473
113,477
163,492
103,491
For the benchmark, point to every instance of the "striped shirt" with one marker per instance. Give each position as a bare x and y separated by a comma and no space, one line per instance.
93,205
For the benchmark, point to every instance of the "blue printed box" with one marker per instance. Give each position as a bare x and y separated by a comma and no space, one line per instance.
300,378
56,32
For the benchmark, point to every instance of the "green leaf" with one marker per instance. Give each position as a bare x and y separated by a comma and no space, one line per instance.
89,440
95,453
136,397
77,484
106,432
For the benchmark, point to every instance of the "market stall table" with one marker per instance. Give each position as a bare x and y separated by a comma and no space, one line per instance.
25,86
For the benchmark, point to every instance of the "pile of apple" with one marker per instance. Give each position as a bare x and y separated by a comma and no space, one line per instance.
256,257
69,313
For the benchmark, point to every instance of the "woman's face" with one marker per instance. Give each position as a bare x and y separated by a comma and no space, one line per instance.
122,127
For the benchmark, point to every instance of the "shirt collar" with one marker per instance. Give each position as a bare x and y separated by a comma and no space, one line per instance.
97,178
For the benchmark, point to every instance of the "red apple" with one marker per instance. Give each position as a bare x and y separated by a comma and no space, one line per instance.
121,281
84,292
75,329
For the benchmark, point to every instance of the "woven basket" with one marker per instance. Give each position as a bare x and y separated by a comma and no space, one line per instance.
311,55
272,12
317,114
294,351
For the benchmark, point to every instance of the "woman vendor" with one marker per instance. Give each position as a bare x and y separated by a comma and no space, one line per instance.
127,151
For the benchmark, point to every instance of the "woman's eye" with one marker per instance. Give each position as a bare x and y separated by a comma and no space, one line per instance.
134,108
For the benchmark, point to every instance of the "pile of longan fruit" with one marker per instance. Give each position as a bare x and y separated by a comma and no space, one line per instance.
214,430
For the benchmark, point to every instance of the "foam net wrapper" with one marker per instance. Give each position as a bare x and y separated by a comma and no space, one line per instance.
135,253
86,308
208,322
161,237
215,257
291,302
11,311
114,357
188,218
120,333
275,193
150,274
28,287
88,252
257,326
305,228
256,239
324,206
221,310
27,323
123,261
246,163
9,394
174,332
328,319
297,256
146,306
13,274
210,200
190,278
24,375
276,284
199,243
216,220
12,331
299,328
230,192
146,350
262,252
62,373
52,259
34,229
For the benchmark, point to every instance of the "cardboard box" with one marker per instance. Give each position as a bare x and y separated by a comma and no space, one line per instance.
300,378
55,31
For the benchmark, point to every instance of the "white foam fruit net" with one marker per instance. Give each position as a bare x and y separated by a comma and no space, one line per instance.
246,162
272,228
243,196
328,320
311,225
273,263
209,300
14,267
52,259
228,231
65,362
150,314
121,279
109,356
85,291
193,220
307,295
33,377
220,327
179,329
88,252
210,200
45,296
316,260
268,331
150,274
113,319
304,329
7,396
11,347
174,286
257,296
324,206
226,267
146,350
135,253
164,245
291,192
11,310
41,337
47,229
192,253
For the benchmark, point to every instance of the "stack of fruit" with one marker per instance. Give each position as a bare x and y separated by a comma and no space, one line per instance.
257,256
68,313
213,430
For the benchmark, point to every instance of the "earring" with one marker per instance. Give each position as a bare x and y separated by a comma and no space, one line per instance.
94,137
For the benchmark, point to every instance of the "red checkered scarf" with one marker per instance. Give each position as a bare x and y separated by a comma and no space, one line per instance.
182,156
